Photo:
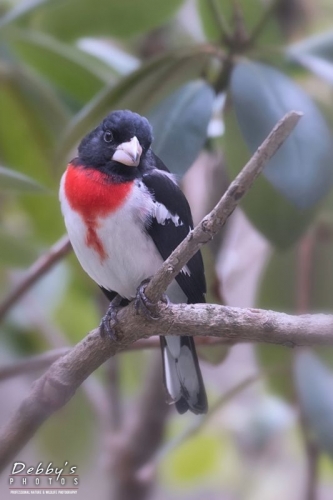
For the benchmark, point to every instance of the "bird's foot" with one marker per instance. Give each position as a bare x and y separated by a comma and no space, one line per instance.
107,326
146,306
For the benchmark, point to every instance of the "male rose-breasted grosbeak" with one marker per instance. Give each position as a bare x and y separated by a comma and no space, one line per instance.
125,214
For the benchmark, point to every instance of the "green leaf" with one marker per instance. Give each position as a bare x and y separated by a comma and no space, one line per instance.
14,251
323,69
180,124
195,461
40,96
314,385
273,215
10,179
72,71
139,92
302,169
72,19
315,54
317,45
20,10
26,143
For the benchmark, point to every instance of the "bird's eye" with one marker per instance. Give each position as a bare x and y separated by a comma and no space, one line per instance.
108,136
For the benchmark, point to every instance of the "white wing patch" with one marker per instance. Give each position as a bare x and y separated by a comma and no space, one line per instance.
186,270
162,214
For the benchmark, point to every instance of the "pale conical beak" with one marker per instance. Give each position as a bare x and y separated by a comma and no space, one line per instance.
128,153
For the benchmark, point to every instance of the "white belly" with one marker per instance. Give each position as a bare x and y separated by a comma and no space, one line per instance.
131,255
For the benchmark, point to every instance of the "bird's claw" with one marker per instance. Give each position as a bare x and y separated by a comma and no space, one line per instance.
146,306
107,326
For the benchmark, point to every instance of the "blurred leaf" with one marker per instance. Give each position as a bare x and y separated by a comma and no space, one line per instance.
195,460
315,54
14,251
71,19
10,179
19,10
274,216
325,468
115,57
314,384
42,98
72,71
316,65
26,143
180,124
319,45
302,169
252,13
139,92
34,117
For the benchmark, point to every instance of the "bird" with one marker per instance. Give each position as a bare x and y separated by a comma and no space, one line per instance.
125,213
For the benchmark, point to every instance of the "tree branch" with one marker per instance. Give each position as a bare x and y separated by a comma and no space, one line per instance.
43,264
59,383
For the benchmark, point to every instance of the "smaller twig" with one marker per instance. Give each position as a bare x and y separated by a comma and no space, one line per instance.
240,36
35,272
220,21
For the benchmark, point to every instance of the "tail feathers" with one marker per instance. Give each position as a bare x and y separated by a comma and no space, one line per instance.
182,375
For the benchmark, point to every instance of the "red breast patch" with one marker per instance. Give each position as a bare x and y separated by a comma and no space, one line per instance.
91,194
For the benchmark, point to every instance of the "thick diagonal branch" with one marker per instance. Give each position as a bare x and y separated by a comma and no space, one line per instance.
215,220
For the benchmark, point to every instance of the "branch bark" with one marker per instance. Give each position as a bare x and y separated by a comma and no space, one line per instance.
59,383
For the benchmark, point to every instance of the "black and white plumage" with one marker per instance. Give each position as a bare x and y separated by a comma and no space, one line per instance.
125,214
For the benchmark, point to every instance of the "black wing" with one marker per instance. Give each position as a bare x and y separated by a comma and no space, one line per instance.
168,235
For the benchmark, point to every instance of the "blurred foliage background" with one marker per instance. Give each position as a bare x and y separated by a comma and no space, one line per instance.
213,77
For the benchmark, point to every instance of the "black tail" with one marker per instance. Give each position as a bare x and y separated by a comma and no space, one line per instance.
182,375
